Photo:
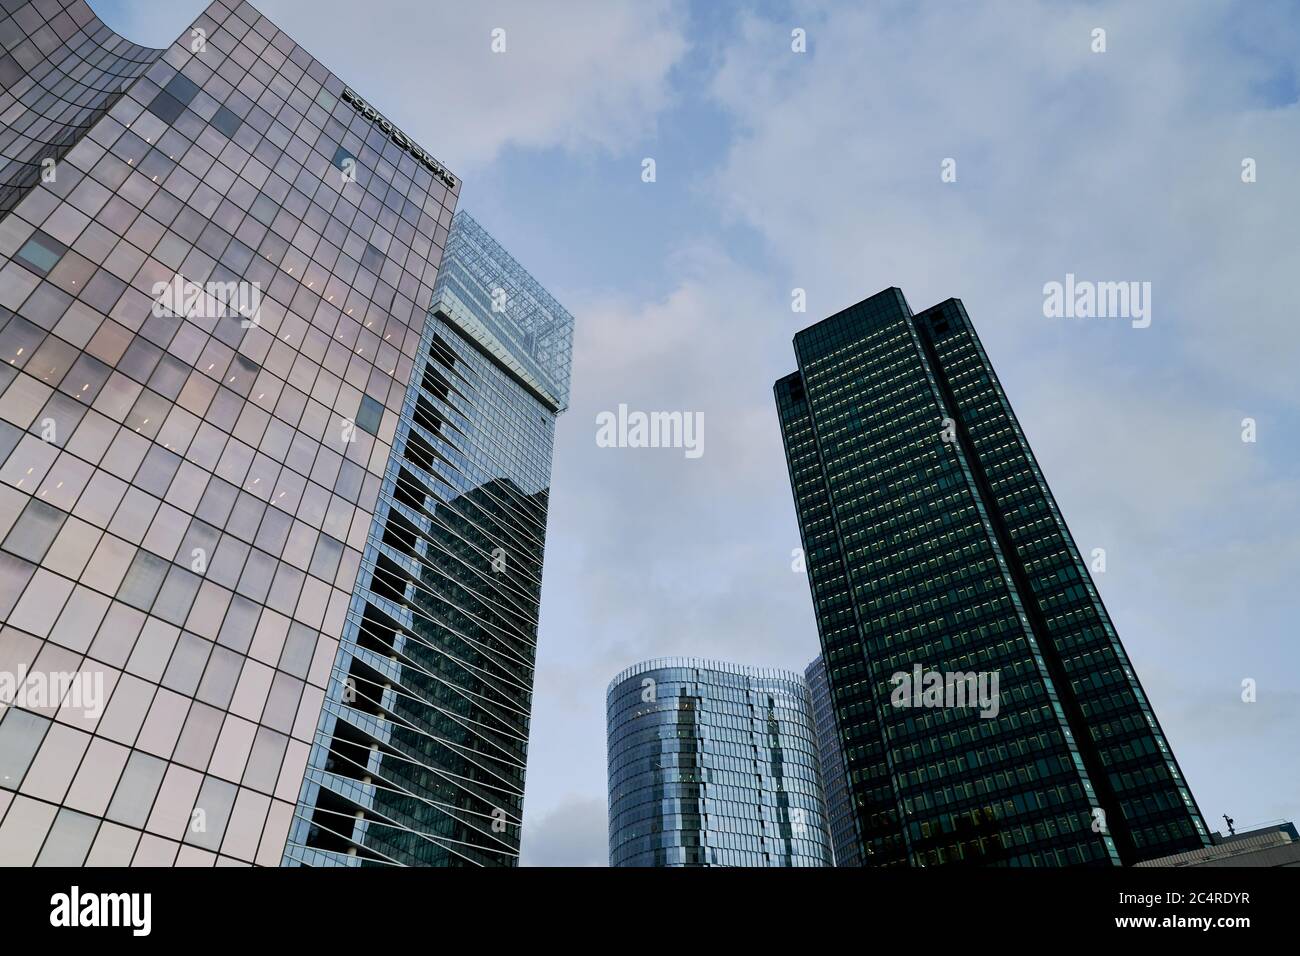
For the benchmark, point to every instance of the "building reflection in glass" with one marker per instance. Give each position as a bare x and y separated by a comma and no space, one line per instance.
420,754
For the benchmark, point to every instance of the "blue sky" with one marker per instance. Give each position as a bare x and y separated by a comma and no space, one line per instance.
778,170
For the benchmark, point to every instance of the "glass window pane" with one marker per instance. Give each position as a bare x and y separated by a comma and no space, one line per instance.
21,733
41,253
69,840
136,790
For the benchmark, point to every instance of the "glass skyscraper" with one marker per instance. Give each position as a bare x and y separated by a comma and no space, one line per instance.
216,263
420,753
713,764
835,785
937,557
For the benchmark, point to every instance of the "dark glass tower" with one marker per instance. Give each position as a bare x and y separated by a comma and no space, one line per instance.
713,764
420,752
933,542
839,806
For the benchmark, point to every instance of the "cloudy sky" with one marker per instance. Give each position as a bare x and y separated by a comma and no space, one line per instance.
778,170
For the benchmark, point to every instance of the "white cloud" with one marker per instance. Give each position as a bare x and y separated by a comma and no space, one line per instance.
649,553
576,75
1116,166
1122,165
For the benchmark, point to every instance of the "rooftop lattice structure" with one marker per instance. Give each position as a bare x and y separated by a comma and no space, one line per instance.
487,293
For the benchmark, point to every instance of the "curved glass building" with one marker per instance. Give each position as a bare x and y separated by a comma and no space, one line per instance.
61,70
713,764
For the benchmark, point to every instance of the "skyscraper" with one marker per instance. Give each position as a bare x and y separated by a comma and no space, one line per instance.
713,764
420,753
941,569
835,785
216,261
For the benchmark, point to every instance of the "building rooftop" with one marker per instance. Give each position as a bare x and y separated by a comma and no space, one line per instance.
494,300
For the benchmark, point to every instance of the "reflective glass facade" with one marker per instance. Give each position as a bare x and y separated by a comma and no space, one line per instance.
933,542
835,785
420,754
186,489
713,764
60,69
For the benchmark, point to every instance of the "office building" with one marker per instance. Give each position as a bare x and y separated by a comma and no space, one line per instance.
987,710
835,785
216,260
420,752
713,764
1275,844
